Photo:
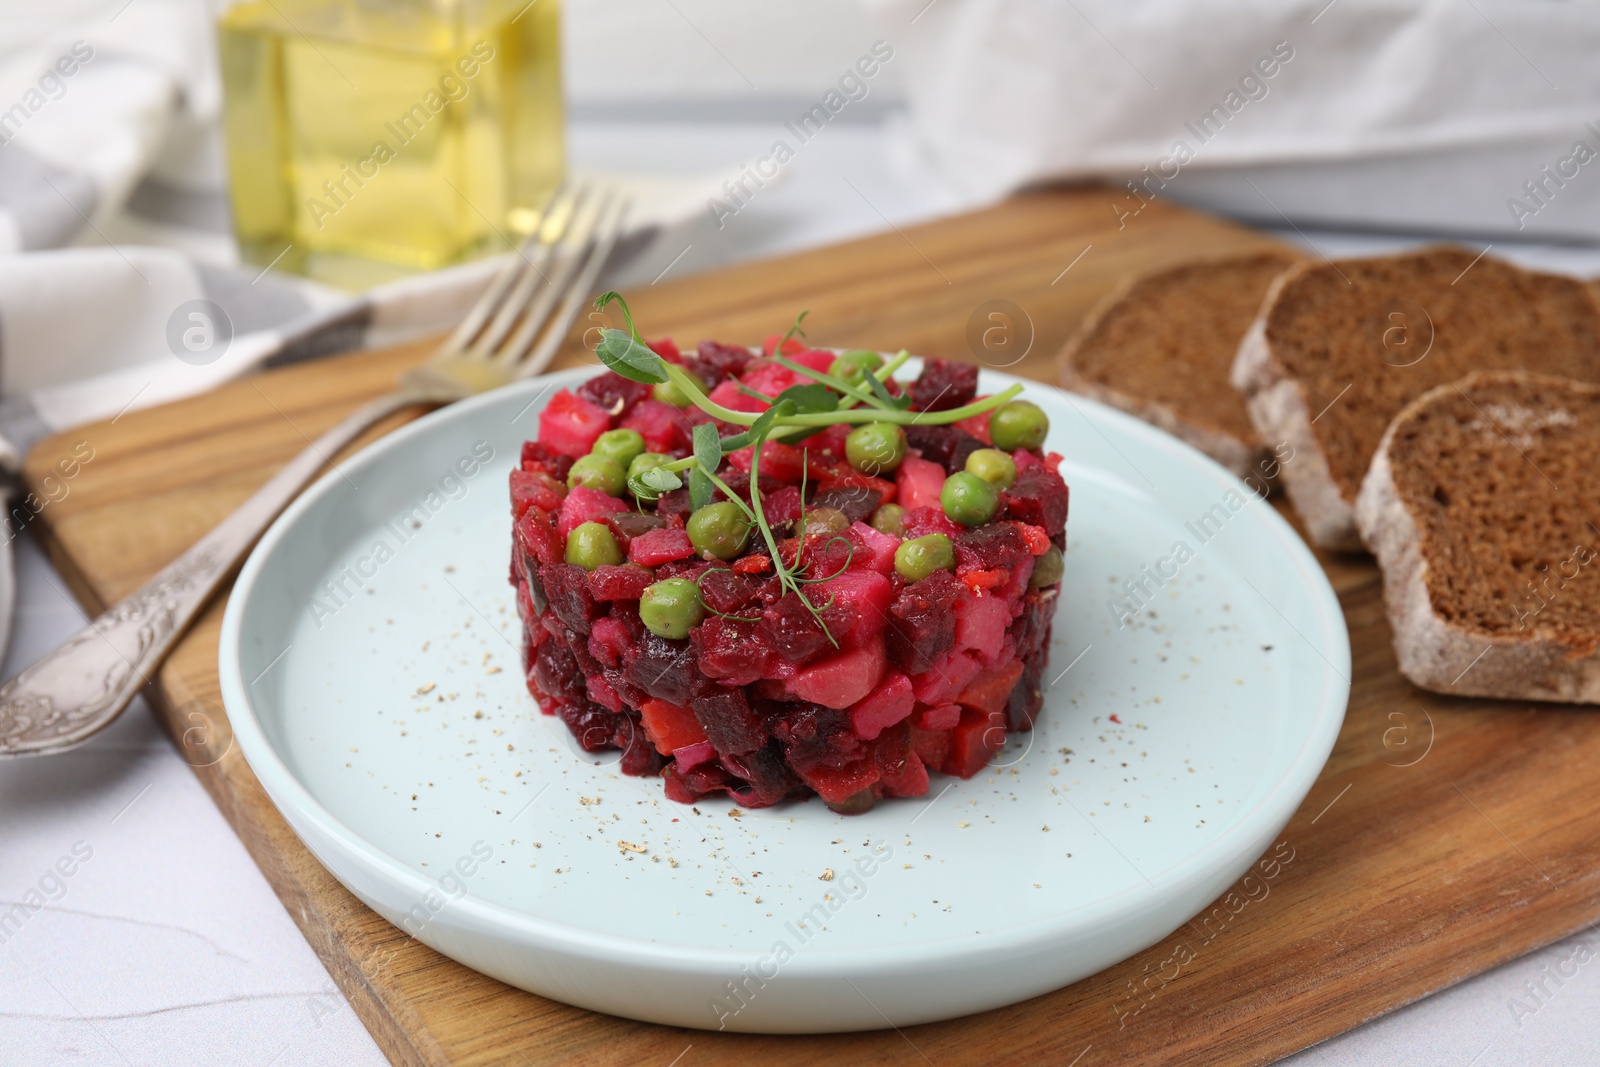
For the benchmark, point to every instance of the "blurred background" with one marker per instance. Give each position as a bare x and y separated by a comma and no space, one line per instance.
1377,115
328,174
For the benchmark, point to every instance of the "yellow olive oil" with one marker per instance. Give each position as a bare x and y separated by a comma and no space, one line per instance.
371,138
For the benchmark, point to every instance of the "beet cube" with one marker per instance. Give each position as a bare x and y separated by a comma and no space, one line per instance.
1039,498
730,725
659,546
569,424
535,488
537,537
814,736
556,672
922,621
673,503
725,592
736,653
966,445
592,726
948,446
631,695
856,501
781,507
792,630
662,668
639,756
770,779
997,545
662,426
730,359
936,443
979,736
619,583
1027,697
944,384
585,505
538,456
567,587
578,645
927,520
612,392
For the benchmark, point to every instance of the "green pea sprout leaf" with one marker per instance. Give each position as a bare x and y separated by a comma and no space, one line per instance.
707,447
809,399
701,489
653,481
708,456
630,358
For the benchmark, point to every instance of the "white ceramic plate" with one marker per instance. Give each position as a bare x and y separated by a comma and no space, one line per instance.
370,667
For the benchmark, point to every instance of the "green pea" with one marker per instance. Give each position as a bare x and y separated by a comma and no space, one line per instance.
875,448
1046,569
826,521
921,556
889,519
968,499
1019,424
719,531
639,464
993,466
671,608
598,472
619,446
853,365
591,544
669,393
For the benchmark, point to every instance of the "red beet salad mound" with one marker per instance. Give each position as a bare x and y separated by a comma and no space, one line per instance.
873,606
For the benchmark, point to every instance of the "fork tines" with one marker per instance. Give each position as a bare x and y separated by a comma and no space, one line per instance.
523,317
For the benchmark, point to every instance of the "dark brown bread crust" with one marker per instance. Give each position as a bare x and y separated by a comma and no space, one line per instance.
1482,506
1340,348
1160,347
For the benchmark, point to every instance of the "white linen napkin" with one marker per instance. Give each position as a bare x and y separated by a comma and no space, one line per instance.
1465,116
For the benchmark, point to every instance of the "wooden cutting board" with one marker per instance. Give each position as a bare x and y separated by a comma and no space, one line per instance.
1444,837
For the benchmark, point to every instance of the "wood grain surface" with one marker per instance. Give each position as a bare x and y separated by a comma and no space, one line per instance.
1444,836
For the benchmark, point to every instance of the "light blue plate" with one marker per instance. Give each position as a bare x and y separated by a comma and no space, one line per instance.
370,667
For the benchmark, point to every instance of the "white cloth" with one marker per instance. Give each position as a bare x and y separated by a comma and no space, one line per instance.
1406,113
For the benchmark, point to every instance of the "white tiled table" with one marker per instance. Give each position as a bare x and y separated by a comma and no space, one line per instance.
166,946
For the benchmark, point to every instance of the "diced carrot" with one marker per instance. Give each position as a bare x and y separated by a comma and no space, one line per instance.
1034,537
980,580
669,726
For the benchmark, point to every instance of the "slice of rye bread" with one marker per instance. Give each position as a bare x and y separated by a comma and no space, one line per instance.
1160,347
1340,348
1481,506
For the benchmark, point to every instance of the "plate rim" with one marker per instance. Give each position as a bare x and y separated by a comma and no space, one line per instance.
283,787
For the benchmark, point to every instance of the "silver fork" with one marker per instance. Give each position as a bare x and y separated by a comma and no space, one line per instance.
511,333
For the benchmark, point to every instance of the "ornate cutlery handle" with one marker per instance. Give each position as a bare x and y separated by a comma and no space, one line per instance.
82,685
